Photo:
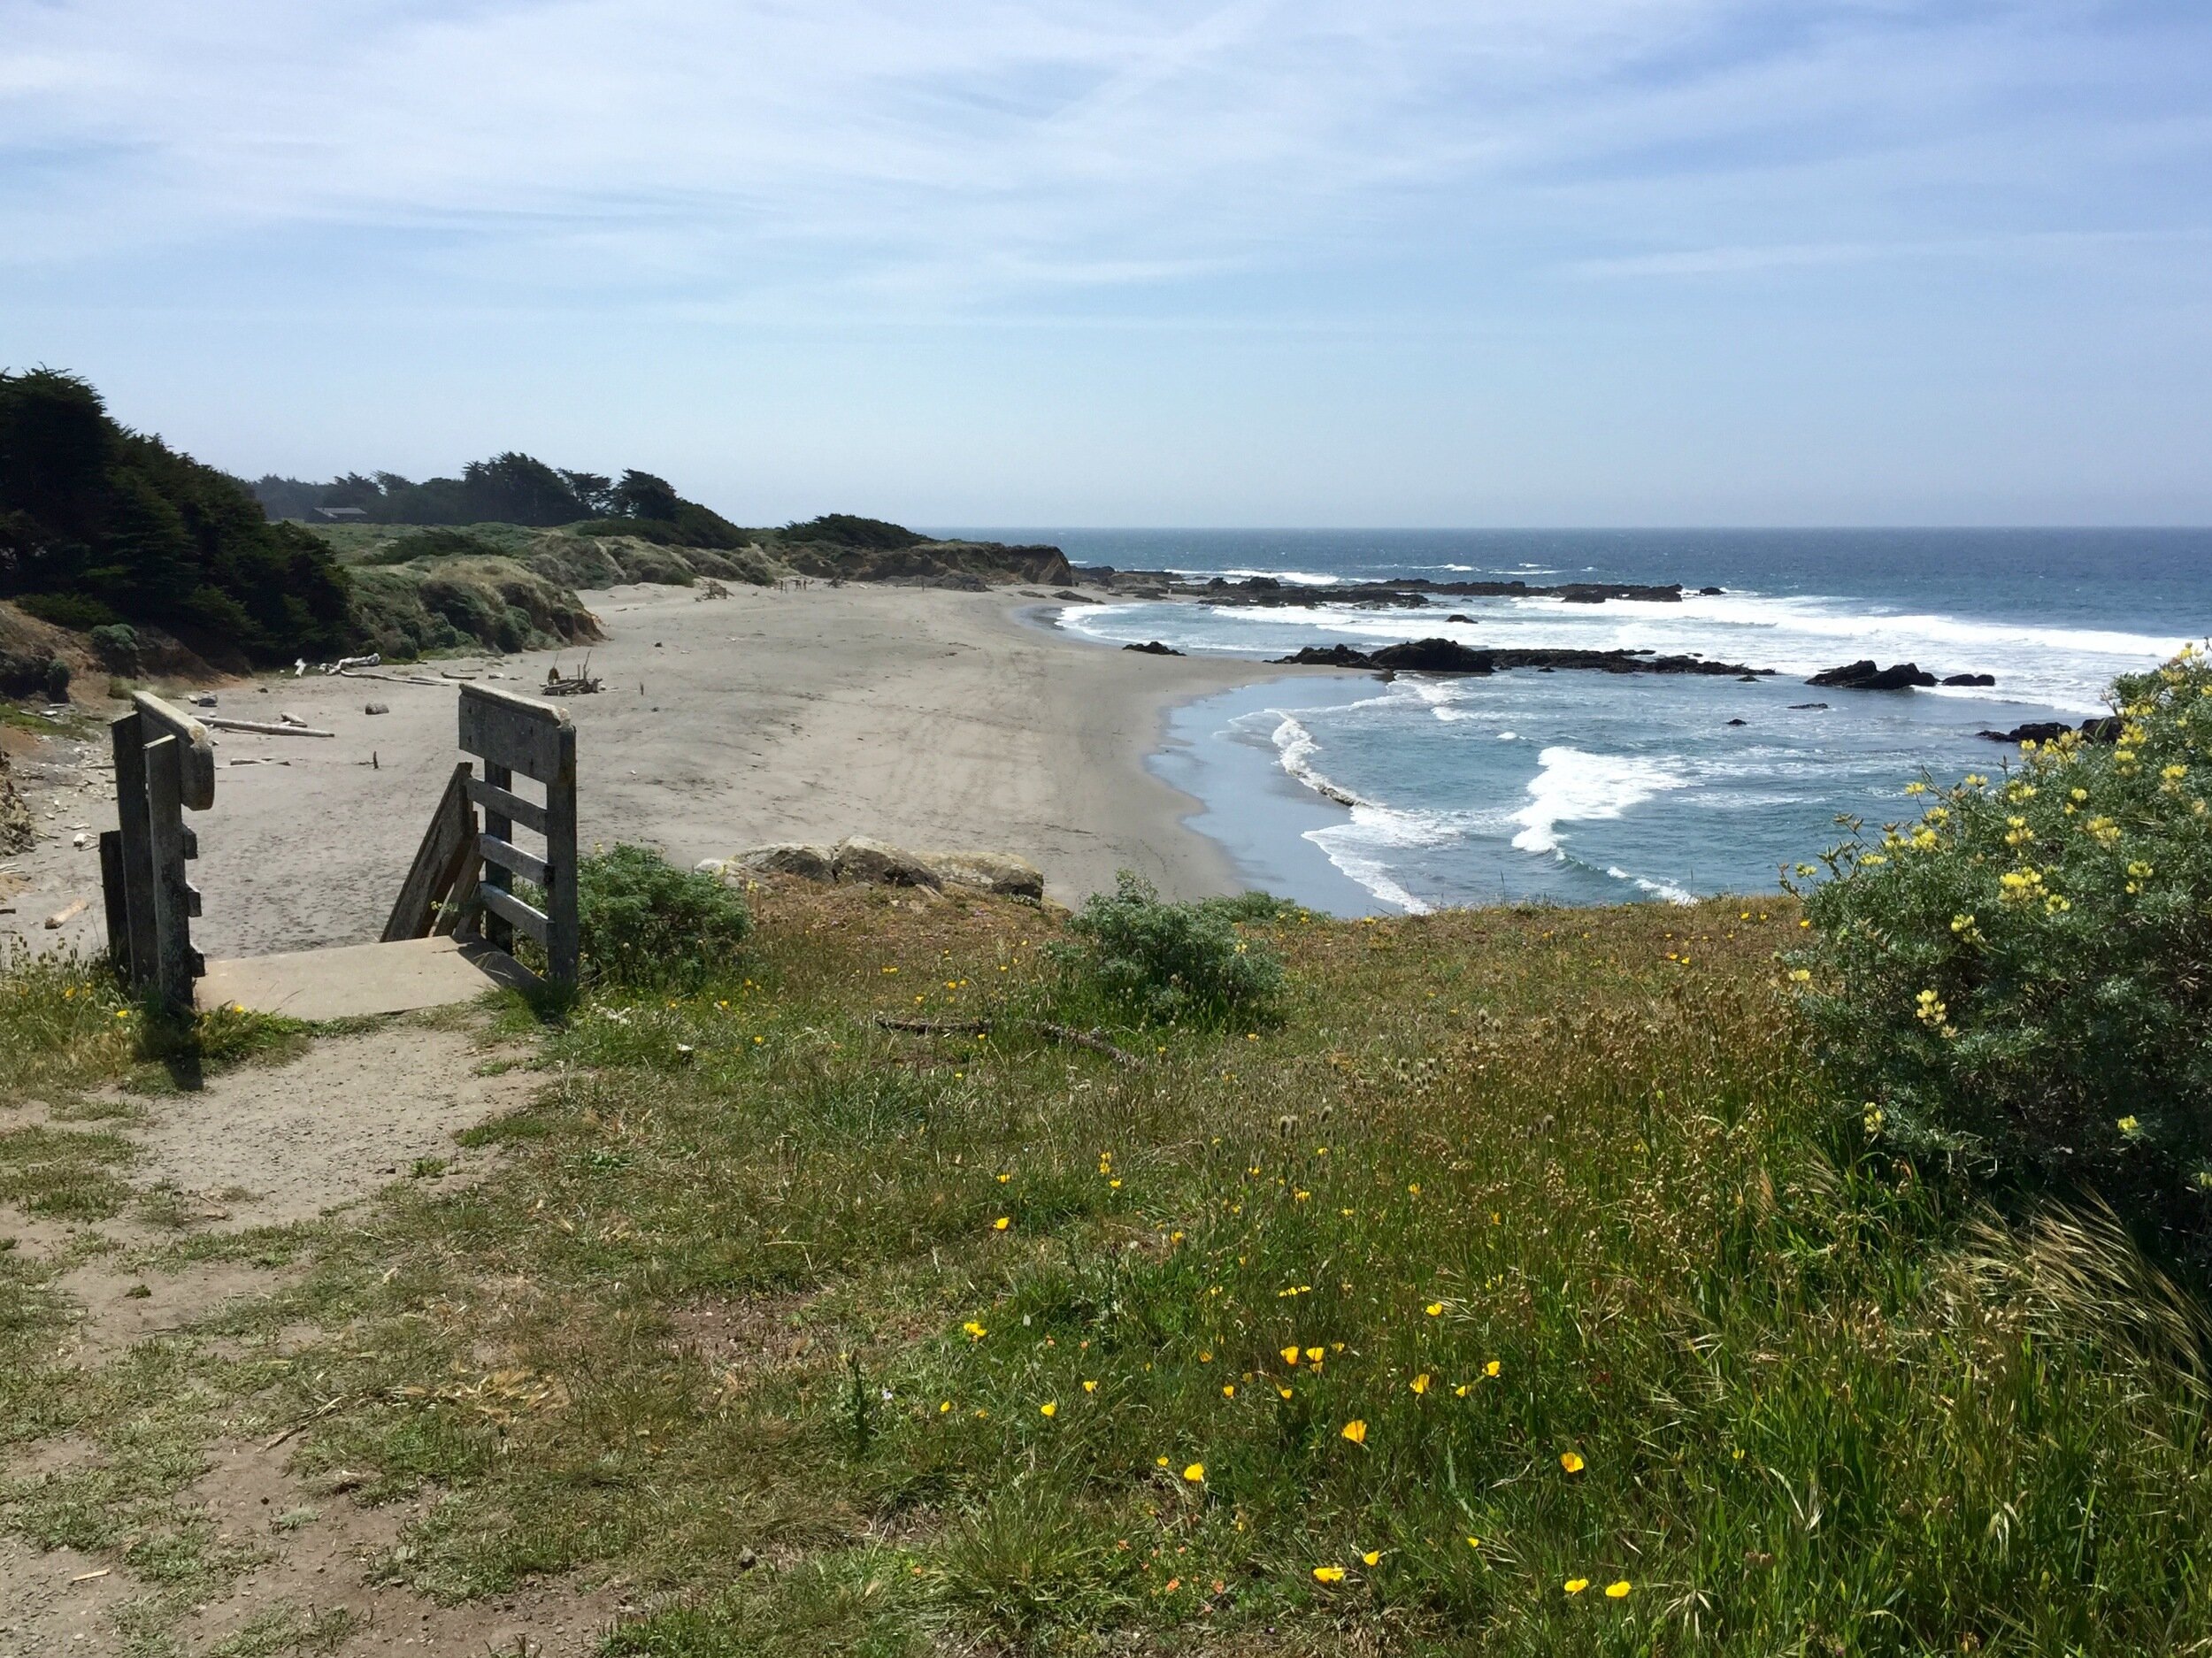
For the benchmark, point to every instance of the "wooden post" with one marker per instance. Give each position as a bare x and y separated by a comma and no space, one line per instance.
563,933
176,964
127,735
449,843
116,899
497,929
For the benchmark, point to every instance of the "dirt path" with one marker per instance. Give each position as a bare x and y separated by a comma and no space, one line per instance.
262,1146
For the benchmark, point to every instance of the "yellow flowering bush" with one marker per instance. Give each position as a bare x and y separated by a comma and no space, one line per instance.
2019,977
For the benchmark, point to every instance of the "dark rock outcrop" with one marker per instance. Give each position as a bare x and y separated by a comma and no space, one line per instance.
1864,675
1444,655
1432,655
1969,678
2102,728
1153,647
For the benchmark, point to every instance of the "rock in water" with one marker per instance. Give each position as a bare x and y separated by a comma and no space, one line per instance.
1153,647
1433,656
1864,675
15,817
1969,678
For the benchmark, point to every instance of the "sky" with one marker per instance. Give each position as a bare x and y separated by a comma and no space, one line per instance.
1113,262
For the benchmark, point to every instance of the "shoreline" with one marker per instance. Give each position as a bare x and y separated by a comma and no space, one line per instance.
929,717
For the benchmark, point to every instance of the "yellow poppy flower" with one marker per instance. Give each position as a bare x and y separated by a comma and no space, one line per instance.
1491,1368
1328,1574
1373,1557
1090,1387
1290,1356
1196,1473
1356,1431
1051,1408
1001,1223
976,1332
1576,1586
1616,1591
1420,1383
1435,1309
1571,1461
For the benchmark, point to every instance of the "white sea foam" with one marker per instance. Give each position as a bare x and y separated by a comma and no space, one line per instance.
1574,786
2058,666
1666,890
1296,746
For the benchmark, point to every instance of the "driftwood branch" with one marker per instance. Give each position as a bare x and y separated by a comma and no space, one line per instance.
260,729
1090,1040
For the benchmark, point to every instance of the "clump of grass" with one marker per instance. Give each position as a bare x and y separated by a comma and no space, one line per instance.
645,922
1167,964
63,1025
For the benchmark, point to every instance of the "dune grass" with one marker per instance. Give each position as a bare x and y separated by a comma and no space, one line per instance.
1521,1289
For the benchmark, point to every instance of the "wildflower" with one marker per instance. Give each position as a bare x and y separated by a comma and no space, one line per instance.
1328,1574
945,1408
1356,1431
1285,1391
1576,1586
1616,1591
1051,1408
1420,1383
1929,1010
1196,1473
1313,1355
1090,1387
1290,1355
1001,1223
1159,1461
2131,1125
1491,1370
1435,1309
1003,1179
1801,976
976,1332
1571,1461
1229,1390
1474,1542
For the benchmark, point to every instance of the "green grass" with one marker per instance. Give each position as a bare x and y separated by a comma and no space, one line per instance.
1579,1236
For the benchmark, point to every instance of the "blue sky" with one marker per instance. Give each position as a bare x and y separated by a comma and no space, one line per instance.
1522,262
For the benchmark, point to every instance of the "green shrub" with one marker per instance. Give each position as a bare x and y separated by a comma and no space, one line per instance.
56,680
432,543
1166,963
117,646
67,609
2018,979
646,922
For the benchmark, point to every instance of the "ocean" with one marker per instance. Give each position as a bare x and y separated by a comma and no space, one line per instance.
1357,797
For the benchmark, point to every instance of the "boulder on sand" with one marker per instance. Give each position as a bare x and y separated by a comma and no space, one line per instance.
993,872
783,857
859,860
880,863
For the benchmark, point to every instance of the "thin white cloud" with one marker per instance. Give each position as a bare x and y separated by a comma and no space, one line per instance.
978,151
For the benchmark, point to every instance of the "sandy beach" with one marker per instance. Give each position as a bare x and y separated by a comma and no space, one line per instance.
927,718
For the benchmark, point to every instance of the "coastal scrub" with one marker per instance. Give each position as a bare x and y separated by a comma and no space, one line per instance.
2013,983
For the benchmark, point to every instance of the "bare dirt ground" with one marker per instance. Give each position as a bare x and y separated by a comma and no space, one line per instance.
261,1147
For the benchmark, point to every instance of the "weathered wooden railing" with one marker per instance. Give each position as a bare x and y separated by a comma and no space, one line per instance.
460,868
165,764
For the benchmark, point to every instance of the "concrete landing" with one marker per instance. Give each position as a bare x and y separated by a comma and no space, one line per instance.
352,980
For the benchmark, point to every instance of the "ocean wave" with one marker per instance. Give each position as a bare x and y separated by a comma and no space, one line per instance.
1661,889
1296,746
1572,785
